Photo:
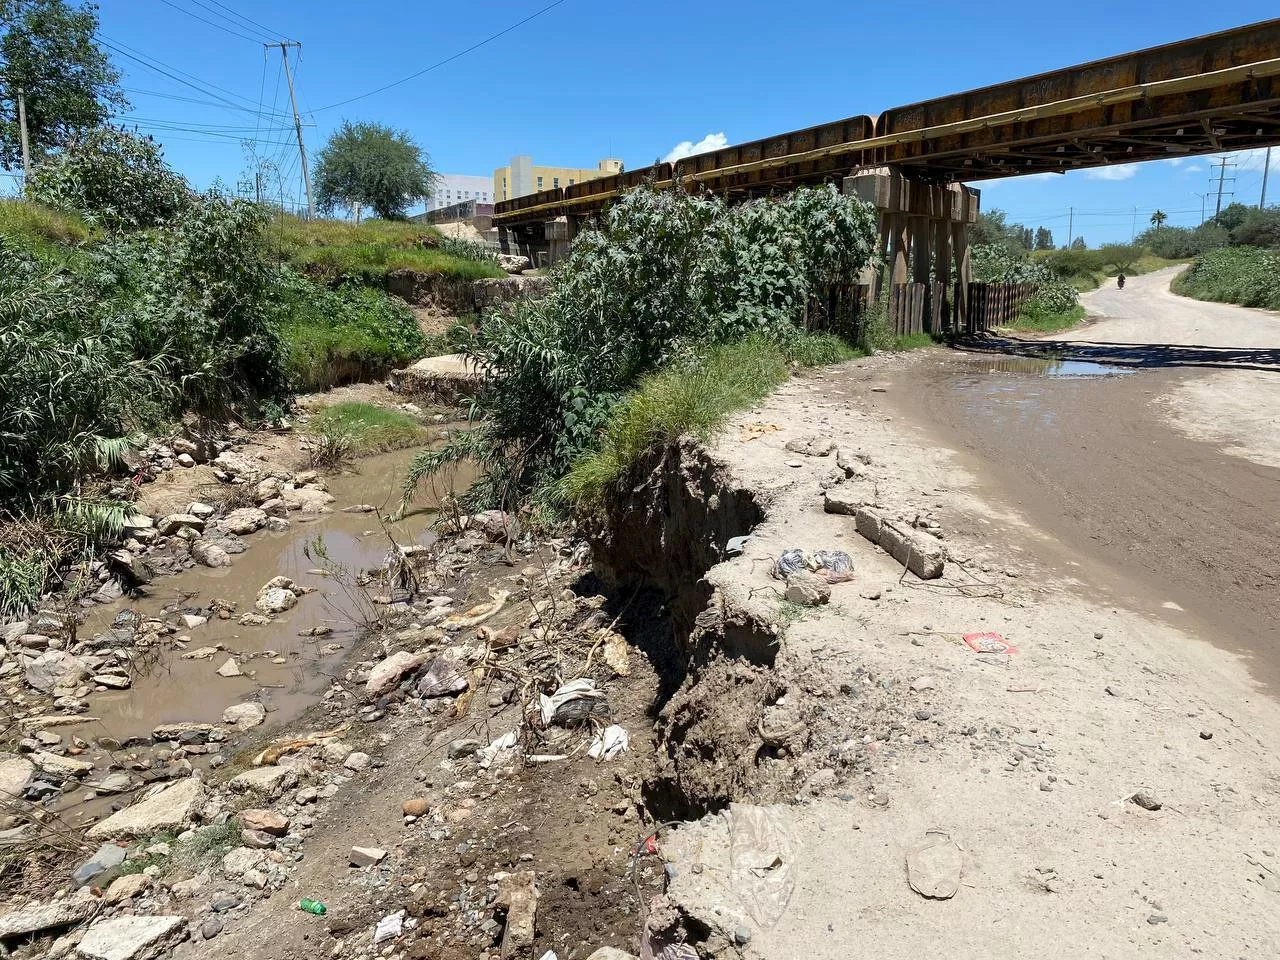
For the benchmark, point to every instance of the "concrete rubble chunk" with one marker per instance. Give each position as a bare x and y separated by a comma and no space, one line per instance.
172,809
387,674
209,554
807,589
132,938
268,781
844,500
46,916
244,520
241,860
366,856
919,553
268,821
126,888
230,669
276,600
57,766
186,733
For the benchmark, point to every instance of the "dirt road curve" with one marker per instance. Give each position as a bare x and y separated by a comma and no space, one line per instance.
1162,483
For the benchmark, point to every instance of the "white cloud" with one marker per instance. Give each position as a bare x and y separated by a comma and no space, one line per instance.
687,148
1124,172
1252,159
1193,168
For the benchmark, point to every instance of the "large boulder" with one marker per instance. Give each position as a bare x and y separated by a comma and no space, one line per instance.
306,499
209,554
172,809
174,522
514,262
389,672
46,916
14,774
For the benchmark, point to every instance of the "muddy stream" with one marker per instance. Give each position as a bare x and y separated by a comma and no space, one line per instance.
283,666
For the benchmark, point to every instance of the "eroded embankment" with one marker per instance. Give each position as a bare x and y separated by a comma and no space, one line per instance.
737,726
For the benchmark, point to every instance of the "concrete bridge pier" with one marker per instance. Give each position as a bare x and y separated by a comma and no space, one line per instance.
924,244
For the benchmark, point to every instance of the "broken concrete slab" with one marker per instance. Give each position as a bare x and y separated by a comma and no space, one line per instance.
132,938
919,553
269,781
366,856
244,716
388,673
38,917
172,809
14,773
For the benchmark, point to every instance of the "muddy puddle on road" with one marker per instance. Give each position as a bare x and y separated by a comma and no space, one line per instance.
295,668
1052,369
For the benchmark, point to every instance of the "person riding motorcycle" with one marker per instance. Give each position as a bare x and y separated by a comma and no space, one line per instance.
1120,281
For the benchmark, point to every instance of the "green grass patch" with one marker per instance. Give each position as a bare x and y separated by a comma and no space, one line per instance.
42,231
371,429
914,341
333,249
1031,317
694,399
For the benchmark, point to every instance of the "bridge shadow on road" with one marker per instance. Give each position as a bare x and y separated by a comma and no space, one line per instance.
1142,355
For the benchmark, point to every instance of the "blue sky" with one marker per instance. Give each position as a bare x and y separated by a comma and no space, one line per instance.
587,80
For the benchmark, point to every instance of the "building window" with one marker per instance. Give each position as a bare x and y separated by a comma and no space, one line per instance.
555,183
571,181
539,183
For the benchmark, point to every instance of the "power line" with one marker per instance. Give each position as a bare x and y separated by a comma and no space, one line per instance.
207,103
274,34
447,60
158,66
218,26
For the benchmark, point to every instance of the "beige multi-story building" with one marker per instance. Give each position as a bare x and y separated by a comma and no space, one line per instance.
521,177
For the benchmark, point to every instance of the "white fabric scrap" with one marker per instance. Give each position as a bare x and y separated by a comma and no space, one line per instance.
608,743
389,926
580,689
490,753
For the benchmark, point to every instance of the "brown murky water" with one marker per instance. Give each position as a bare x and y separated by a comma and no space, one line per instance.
283,670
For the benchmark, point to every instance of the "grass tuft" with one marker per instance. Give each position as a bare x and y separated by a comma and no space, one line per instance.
368,429
694,399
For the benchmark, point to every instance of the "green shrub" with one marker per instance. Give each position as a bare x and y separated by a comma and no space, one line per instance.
41,230
661,277
468,250
113,178
1259,228
199,293
341,335
1182,243
1248,276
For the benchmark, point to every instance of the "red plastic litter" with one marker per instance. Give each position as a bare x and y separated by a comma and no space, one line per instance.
989,643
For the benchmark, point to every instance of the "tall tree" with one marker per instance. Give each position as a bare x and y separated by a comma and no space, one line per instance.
1044,238
373,165
47,51
1158,218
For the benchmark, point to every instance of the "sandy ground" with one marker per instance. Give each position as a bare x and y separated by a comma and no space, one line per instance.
1027,761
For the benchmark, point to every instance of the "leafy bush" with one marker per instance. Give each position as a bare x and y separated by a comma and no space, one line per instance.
1259,228
113,178
340,335
662,276
200,294
999,264
1181,243
1245,275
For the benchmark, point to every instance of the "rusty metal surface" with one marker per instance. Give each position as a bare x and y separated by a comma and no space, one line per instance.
1210,112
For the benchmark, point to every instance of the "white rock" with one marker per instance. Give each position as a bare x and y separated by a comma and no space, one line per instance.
56,668
174,522
357,761
132,938
172,809
270,780
241,860
46,916
14,774
230,669
58,766
244,716
243,521
202,510
193,620
276,600
387,674
210,554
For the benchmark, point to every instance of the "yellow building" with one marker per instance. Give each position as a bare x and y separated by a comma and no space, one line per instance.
521,178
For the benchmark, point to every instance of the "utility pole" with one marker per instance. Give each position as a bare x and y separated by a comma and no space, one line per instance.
1266,169
297,121
1071,222
1133,231
1222,179
1203,197
26,148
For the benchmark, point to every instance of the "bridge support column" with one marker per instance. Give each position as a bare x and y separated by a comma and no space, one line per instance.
922,227
560,233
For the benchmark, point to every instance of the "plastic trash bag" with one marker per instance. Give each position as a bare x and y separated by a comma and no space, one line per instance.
789,562
608,743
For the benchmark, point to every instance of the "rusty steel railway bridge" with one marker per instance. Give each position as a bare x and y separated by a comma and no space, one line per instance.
1210,94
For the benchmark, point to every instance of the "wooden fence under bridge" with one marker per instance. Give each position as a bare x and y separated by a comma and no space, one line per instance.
922,307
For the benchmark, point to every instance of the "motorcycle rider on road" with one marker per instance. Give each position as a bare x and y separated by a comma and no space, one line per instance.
1120,281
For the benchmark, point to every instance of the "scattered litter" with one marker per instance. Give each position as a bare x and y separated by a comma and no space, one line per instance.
609,742
752,430
989,643
933,866
550,955
313,906
557,706
833,565
487,755
389,927
477,614
736,545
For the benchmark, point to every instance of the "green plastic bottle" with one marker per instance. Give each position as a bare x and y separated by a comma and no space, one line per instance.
313,906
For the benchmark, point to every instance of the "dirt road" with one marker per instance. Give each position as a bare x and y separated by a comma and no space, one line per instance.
1160,483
